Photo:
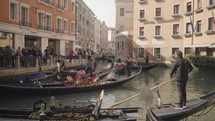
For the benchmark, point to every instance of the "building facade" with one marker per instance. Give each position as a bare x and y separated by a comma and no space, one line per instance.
85,26
112,41
124,27
39,23
162,27
104,37
97,47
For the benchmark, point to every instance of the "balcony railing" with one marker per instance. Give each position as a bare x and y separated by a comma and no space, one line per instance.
59,30
49,2
60,7
49,29
40,27
25,23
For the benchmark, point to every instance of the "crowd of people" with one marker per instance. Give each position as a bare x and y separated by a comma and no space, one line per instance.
8,56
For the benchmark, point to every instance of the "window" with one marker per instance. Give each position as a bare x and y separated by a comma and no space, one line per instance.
141,51
174,50
13,11
65,23
40,20
122,11
157,52
198,26
175,29
157,30
141,31
73,7
189,7
59,6
24,16
211,2
187,50
49,23
59,25
117,45
73,27
211,23
65,4
158,12
188,27
123,45
199,4
176,9
142,13
121,28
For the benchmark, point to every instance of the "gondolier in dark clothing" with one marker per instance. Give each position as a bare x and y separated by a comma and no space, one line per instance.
129,63
181,69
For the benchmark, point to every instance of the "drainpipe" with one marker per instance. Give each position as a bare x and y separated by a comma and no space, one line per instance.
194,49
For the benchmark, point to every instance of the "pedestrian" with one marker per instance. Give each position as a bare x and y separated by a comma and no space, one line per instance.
181,69
147,58
128,64
71,54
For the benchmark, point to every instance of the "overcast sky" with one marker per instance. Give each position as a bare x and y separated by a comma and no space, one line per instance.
104,10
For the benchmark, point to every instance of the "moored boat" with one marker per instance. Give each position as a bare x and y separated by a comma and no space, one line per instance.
36,87
69,113
148,67
168,113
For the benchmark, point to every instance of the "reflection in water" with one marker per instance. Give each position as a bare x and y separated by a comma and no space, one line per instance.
200,83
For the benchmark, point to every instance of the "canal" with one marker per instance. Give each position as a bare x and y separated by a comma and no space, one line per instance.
200,83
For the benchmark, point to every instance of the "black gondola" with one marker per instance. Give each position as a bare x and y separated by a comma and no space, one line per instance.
72,113
35,87
149,67
168,113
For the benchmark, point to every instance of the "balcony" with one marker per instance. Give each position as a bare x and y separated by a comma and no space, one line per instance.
25,23
60,7
49,29
198,33
187,34
40,27
199,10
157,36
188,13
175,36
209,32
211,6
142,19
142,1
176,15
59,31
158,17
47,2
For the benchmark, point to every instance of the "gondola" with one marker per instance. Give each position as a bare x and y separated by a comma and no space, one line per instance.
68,114
36,87
73,70
149,67
168,113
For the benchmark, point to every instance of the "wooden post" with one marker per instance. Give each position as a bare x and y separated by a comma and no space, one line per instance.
18,62
37,61
50,60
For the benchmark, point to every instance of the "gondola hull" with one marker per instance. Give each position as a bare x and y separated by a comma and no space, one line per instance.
35,88
168,113
148,67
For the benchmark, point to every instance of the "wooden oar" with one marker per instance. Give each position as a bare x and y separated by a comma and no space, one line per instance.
139,94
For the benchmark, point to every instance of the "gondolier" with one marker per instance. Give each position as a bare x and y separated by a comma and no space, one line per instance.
181,69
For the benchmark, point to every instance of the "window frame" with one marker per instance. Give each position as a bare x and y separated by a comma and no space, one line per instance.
65,30
156,12
173,29
121,12
173,12
155,30
141,33
15,11
197,27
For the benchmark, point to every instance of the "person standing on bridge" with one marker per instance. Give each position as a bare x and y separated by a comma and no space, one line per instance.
181,69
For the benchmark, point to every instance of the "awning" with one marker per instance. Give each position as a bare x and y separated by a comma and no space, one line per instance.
201,45
78,46
212,45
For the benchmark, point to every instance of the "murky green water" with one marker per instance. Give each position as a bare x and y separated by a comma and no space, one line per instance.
200,83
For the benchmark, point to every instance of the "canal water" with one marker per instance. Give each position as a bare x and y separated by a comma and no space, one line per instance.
200,83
